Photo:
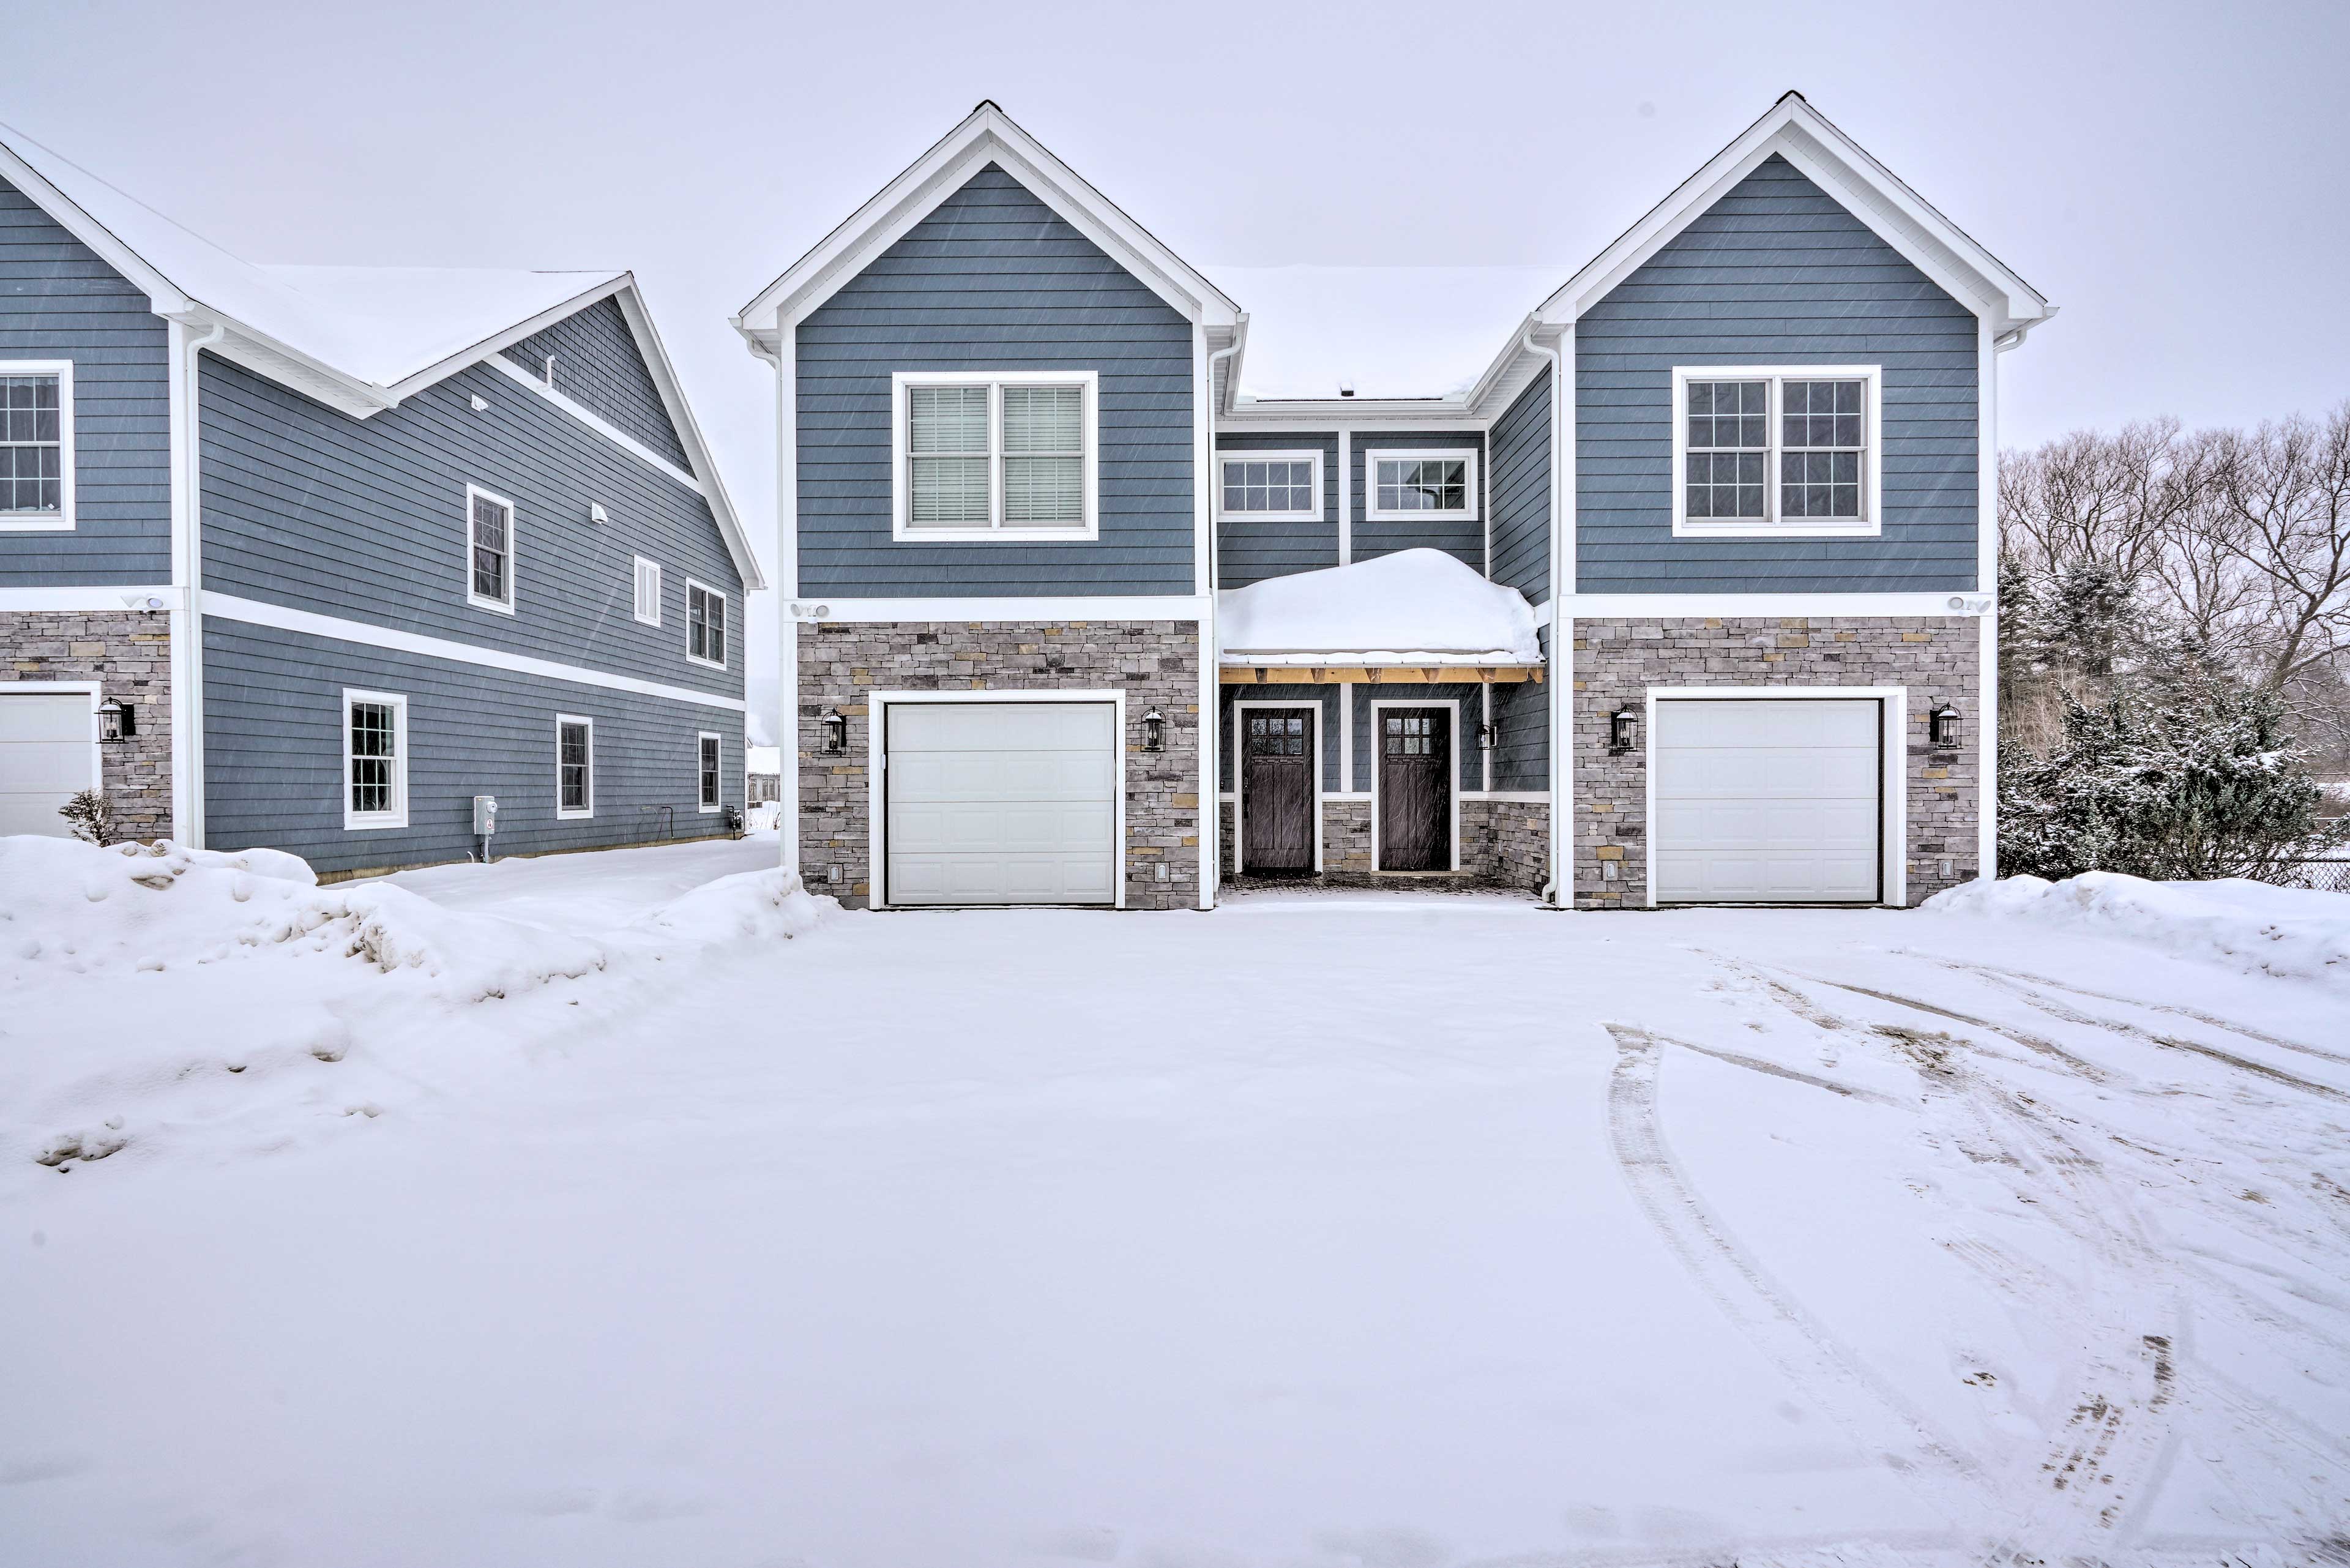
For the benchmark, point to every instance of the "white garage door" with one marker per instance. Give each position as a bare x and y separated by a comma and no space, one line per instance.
1001,803
46,757
1768,801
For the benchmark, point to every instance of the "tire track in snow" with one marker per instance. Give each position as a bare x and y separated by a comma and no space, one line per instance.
2014,976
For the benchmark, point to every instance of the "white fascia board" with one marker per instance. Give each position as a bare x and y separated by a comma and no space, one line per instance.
448,365
987,135
689,430
522,378
1793,129
1350,413
164,295
812,608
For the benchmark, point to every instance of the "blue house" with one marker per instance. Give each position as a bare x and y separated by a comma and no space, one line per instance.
1687,597
313,556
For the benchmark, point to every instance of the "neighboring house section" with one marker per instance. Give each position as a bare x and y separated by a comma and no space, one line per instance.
334,557
1687,598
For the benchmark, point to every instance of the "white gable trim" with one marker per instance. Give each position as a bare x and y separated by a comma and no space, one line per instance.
987,136
162,292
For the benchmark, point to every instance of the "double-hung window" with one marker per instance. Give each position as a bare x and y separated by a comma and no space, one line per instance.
1270,486
994,454
1776,450
36,489
707,748
374,759
489,550
647,591
705,625
575,765
1408,486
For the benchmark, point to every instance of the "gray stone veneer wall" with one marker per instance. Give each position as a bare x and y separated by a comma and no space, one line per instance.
1503,843
1937,658
1156,663
130,654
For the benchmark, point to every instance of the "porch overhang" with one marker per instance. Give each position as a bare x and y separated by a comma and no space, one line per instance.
1384,669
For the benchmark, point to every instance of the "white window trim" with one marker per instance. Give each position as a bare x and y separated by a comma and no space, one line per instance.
1452,705
1373,456
724,632
574,814
1870,524
514,552
1314,457
720,803
63,522
901,490
637,565
1239,794
361,820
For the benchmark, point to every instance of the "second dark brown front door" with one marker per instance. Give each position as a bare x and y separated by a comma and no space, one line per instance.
1278,756
1415,789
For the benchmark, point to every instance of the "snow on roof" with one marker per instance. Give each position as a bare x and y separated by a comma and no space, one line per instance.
1411,603
378,324
1386,331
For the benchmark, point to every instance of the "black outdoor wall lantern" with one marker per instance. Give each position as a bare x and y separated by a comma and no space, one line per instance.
1943,726
116,721
1154,731
1620,725
1489,735
836,734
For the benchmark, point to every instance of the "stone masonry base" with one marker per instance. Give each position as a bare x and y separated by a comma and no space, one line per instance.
1503,843
129,655
1155,663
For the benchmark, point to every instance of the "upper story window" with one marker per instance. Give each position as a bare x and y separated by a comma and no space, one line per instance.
374,759
489,550
994,454
35,444
647,591
1781,451
1406,485
705,624
1270,486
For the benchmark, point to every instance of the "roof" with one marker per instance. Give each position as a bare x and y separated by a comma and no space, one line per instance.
357,339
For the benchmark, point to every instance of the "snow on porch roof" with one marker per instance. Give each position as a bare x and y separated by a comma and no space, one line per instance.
1415,606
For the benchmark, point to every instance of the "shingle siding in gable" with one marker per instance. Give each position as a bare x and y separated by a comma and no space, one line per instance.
1775,273
598,365
1520,489
1461,538
1249,550
59,301
994,280
366,520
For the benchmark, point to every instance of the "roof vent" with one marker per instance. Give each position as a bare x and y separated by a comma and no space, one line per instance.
1346,389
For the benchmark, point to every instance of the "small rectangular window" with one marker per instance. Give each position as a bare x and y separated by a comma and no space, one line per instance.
1409,485
35,444
1786,450
575,766
708,759
647,591
705,624
1270,486
375,760
490,550
994,454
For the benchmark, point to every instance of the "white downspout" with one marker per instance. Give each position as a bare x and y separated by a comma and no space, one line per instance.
1561,633
1212,693
187,628
786,359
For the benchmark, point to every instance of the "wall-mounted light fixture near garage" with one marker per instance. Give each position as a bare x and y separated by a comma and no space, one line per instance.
1154,731
836,732
116,721
1621,726
1943,726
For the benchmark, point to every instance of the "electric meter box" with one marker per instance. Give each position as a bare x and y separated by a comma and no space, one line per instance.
486,815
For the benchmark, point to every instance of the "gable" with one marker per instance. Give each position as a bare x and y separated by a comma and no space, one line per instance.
598,364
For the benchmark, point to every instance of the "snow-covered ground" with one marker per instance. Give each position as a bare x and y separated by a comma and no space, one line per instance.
1325,1232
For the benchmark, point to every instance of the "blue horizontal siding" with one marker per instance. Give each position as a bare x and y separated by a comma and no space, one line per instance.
1462,539
1521,717
1326,699
59,301
1249,550
1775,273
598,363
994,280
1469,762
274,760
1520,491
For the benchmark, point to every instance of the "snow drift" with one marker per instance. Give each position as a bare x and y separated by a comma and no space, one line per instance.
1414,601
2283,931
750,906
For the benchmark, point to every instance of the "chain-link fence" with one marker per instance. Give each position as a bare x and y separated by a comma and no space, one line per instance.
2327,875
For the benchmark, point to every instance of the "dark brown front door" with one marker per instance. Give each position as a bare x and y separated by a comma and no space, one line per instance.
1278,756
1415,789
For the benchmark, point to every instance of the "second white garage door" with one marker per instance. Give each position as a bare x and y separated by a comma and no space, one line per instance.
47,756
1001,803
1768,802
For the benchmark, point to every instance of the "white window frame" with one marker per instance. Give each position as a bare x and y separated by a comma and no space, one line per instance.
514,552
725,609
1313,458
901,488
717,774
1871,522
63,522
355,821
1373,456
639,566
562,812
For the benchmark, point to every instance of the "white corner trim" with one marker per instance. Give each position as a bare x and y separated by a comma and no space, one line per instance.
356,821
1473,478
597,422
252,612
513,553
1346,496
1770,525
62,520
1314,459
562,812
904,529
1240,773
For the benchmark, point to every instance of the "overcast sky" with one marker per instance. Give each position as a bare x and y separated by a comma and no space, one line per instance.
2172,175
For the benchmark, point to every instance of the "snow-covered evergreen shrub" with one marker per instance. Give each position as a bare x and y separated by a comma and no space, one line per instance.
91,817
